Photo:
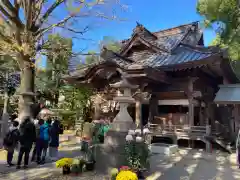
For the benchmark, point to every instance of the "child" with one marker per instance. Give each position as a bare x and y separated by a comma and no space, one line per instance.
10,141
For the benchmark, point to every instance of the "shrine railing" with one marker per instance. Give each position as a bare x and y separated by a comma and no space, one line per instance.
178,129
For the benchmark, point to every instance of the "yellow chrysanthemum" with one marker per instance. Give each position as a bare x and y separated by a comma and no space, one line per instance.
126,175
63,162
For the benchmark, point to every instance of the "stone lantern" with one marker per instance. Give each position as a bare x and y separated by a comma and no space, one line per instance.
123,121
111,152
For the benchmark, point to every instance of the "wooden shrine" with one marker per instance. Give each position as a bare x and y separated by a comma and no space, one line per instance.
180,75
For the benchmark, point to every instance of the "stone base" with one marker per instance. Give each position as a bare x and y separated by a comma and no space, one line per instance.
122,126
161,148
111,153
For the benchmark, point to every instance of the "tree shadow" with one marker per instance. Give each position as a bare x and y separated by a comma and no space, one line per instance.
195,165
70,153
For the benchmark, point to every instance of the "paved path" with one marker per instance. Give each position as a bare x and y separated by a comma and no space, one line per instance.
186,165
195,165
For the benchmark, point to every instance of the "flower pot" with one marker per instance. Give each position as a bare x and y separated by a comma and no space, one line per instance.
101,139
66,170
140,174
84,146
90,166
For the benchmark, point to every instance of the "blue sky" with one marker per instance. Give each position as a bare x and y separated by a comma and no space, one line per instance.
153,14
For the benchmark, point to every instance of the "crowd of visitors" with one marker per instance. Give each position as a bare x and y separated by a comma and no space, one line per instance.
38,136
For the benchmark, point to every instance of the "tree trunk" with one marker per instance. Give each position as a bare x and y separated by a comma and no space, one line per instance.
5,115
26,98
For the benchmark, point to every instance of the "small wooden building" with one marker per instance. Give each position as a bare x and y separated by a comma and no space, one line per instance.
180,74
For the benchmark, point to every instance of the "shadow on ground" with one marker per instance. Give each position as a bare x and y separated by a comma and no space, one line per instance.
194,165
35,171
188,164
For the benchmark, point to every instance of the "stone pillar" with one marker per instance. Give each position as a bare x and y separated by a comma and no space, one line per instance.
208,143
138,116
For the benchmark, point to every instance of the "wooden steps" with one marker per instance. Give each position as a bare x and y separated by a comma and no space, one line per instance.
220,142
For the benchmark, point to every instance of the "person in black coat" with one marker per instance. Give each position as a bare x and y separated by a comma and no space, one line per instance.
10,142
27,138
54,132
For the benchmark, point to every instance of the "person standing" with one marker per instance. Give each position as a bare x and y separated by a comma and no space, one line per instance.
54,140
27,138
37,143
43,143
10,142
238,148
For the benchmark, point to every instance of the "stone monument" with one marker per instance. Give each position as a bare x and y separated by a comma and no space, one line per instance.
111,153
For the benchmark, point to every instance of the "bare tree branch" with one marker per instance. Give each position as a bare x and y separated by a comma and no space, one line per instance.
38,7
10,12
49,11
29,13
86,29
44,30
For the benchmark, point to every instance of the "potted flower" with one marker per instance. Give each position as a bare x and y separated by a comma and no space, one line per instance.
65,164
136,151
78,166
90,160
126,175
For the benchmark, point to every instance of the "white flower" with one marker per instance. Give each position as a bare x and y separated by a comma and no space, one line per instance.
138,131
146,131
129,137
131,132
139,139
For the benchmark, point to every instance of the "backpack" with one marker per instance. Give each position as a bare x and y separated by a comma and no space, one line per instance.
9,139
44,132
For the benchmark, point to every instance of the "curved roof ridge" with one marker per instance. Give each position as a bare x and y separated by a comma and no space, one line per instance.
140,28
202,49
195,23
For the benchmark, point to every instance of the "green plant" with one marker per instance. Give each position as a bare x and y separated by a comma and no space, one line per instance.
78,165
113,173
136,150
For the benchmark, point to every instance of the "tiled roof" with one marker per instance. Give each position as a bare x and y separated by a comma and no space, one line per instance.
182,54
169,47
179,45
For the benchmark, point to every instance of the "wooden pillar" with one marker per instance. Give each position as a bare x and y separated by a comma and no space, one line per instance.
153,107
138,115
191,105
236,118
208,126
201,117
